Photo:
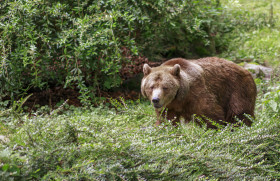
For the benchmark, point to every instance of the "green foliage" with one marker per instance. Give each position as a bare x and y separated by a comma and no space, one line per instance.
80,43
269,96
123,144
180,28
45,43
256,37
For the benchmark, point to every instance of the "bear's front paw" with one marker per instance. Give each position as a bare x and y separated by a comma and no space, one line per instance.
158,123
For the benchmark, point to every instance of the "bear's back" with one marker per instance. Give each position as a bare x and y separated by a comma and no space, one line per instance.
221,73
221,77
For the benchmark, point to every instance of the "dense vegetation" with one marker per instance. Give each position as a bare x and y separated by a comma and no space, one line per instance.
45,43
81,43
84,44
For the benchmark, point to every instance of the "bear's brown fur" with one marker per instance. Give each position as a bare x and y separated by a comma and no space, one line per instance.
211,88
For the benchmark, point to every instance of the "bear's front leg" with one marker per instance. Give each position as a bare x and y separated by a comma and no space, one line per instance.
160,118
169,115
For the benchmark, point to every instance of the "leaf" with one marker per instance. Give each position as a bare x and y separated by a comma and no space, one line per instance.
108,84
15,170
273,105
5,167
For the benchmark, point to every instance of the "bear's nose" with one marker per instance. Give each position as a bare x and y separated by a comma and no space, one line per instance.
155,100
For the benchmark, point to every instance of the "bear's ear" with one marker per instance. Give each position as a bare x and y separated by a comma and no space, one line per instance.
176,70
146,69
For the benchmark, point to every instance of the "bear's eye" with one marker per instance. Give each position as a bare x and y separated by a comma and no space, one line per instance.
152,87
165,88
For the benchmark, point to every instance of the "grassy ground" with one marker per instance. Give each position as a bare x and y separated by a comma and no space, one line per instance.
123,144
259,44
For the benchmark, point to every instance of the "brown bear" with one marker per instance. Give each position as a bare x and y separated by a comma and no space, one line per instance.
213,89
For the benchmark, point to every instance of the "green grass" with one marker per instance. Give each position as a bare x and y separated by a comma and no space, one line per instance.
261,46
123,144
260,43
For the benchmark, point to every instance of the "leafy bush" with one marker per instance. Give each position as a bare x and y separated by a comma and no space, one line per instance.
74,43
46,43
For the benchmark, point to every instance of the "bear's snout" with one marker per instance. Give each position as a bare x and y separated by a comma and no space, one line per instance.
157,93
155,100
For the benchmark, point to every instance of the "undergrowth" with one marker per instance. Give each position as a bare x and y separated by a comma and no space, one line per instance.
122,143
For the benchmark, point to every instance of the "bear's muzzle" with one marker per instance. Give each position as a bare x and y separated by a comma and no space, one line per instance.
155,102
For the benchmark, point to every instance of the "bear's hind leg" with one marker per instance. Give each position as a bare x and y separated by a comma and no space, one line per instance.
238,107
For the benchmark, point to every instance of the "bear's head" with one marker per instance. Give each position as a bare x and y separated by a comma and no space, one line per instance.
161,85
